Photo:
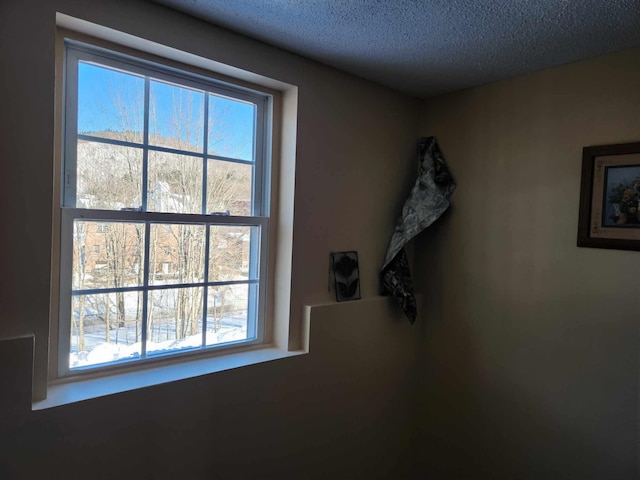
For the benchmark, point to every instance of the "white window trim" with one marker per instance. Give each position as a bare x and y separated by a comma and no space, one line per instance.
75,53
280,342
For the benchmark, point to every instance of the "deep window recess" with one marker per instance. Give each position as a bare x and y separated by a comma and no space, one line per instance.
164,215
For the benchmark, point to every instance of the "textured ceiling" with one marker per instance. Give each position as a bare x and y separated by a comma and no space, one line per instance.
426,47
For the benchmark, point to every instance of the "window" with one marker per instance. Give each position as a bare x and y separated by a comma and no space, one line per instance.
165,179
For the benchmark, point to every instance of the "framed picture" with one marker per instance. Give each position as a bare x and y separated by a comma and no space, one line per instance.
346,275
610,197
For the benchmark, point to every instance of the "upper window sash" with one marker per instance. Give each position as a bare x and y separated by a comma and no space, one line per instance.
77,52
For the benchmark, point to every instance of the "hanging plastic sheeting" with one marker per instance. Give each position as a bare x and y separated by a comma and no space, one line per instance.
429,198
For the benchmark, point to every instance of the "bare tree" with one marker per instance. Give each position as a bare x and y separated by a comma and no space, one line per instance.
110,177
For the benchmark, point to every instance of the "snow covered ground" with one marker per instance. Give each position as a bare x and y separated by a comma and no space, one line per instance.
98,351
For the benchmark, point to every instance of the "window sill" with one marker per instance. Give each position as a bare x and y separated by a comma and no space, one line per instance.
84,389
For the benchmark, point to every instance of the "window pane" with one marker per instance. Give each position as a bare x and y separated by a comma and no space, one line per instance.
105,328
230,253
118,259
110,103
176,117
175,319
109,177
177,254
227,313
175,183
231,128
229,188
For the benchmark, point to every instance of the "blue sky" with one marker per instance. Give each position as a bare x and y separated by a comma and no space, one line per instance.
113,100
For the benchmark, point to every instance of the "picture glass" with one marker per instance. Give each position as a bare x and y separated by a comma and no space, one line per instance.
622,197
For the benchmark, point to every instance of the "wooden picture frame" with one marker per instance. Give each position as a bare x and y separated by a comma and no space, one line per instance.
610,197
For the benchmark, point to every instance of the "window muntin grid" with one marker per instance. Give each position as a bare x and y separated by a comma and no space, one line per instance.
153,275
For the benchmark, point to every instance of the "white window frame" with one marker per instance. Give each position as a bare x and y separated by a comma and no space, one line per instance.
77,51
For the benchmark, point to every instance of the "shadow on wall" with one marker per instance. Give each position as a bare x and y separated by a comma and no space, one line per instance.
500,380
346,410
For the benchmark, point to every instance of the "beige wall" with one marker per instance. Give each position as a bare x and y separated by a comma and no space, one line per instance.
355,160
531,343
